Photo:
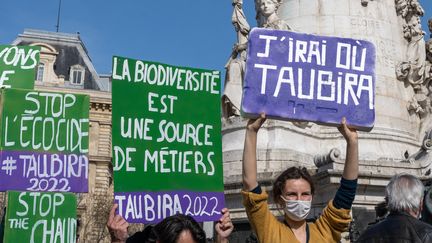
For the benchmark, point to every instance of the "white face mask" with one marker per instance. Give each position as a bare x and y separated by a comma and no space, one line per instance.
297,210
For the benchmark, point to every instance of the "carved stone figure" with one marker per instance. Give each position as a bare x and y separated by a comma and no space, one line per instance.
267,15
423,156
410,11
267,18
428,65
235,66
364,3
420,102
401,7
430,27
429,50
414,69
324,159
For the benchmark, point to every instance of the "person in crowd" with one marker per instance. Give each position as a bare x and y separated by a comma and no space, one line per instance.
174,229
404,197
293,191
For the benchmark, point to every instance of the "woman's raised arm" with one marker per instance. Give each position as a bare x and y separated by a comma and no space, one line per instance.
351,162
249,153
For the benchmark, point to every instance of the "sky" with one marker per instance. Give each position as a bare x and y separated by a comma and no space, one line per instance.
185,33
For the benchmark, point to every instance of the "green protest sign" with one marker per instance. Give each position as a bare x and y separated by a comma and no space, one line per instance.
40,217
18,65
44,141
167,152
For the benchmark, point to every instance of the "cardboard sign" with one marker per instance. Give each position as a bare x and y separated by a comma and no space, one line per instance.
40,217
18,65
44,141
167,151
296,76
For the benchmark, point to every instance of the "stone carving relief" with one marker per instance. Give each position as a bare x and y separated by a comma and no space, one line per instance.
267,15
423,156
364,3
418,72
333,155
430,27
235,66
267,18
415,69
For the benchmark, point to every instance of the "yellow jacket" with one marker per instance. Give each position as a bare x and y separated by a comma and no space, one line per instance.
327,228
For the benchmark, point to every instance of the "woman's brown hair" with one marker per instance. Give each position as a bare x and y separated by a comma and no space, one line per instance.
290,173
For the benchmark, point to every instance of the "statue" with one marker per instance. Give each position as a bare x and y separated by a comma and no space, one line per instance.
414,69
430,27
429,51
267,15
235,66
428,65
365,3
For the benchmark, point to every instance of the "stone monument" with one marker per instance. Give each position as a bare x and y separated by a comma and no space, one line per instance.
236,64
401,138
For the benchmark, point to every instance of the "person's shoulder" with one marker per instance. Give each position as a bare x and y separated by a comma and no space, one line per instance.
370,233
252,198
424,230
374,229
423,226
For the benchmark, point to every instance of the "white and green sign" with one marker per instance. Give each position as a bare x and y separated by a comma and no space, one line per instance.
18,66
40,217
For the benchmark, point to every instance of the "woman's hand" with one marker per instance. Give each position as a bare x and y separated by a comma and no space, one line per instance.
351,161
117,226
224,227
254,125
249,153
350,134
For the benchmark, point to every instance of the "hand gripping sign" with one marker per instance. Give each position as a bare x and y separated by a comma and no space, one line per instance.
294,76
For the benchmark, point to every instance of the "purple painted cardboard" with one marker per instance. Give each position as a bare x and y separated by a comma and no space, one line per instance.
152,207
275,55
46,172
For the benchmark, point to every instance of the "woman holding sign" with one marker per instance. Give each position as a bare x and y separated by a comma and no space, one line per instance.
293,191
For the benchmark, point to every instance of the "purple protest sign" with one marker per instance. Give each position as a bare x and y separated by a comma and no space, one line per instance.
295,76
43,171
44,141
152,207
